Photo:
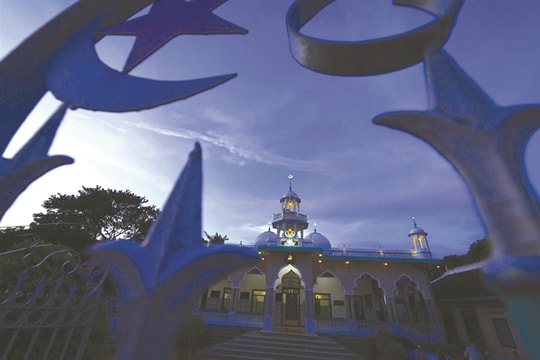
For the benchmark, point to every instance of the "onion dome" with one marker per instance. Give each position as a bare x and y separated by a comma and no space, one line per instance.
267,238
290,195
317,240
416,230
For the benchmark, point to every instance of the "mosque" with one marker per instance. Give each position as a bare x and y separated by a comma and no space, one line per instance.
303,284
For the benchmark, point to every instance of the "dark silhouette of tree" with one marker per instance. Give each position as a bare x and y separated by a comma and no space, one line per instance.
478,251
215,239
94,214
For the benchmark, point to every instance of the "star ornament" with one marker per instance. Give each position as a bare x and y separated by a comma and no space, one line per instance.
159,280
166,20
486,144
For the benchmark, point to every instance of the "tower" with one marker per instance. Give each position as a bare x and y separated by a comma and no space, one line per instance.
418,239
290,223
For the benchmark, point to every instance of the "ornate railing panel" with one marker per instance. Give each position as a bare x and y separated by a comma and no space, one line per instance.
48,302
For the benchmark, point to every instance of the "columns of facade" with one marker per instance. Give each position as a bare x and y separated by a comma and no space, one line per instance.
234,296
268,308
351,315
391,306
231,315
310,311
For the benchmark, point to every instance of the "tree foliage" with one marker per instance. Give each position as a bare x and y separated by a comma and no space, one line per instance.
389,346
478,251
215,239
94,214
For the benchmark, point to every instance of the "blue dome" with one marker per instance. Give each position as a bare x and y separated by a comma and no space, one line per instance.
290,194
318,240
417,230
267,238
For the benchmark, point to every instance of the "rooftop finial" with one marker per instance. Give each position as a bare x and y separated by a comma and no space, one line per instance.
290,181
414,221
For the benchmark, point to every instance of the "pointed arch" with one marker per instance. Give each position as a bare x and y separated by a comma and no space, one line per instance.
251,291
327,274
329,296
284,270
410,301
369,299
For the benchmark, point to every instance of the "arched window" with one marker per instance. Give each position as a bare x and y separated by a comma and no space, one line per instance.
368,300
410,304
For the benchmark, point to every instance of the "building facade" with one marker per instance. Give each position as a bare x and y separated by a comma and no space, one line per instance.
302,284
471,312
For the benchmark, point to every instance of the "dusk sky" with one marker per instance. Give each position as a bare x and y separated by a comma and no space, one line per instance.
360,183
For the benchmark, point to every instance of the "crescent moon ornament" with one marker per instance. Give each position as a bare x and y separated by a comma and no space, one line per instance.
360,58
31,162
22,72
77,75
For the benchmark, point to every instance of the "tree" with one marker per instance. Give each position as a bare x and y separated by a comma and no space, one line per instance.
215,239
94,214
478,251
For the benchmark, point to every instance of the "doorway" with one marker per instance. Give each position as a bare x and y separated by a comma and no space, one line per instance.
290,310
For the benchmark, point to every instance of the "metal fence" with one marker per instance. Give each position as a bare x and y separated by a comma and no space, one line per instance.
49,303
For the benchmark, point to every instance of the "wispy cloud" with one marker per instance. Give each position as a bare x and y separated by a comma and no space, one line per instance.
240,155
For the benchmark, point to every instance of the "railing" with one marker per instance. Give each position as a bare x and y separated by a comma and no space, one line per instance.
249,318
380,253
360,253
417,332
332,324
369,327
220,317
214,316
48,304
289,215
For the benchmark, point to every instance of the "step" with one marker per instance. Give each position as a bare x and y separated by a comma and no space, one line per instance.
279,346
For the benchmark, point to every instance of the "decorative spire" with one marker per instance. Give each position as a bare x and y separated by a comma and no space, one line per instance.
290,181
414,221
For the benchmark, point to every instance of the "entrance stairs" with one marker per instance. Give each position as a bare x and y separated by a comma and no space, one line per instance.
278,346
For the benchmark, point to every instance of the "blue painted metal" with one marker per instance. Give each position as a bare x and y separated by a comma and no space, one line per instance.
30,162
46,317
159,280
168,19
22,72
354,58
77,75
484,142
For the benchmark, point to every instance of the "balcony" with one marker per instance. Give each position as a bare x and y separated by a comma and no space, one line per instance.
289,216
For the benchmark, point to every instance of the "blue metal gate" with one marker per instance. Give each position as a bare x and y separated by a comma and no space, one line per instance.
48,302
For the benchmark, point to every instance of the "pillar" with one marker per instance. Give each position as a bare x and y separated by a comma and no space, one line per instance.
231,314
268,309
310,312
351,315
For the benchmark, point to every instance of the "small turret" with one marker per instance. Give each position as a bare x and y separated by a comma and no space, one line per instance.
418,239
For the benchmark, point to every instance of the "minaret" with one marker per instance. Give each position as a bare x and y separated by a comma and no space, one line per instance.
419,239
290,223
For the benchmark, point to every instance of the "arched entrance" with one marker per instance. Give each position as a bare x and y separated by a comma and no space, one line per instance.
290,299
